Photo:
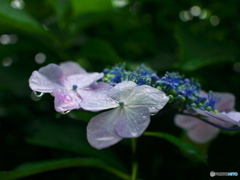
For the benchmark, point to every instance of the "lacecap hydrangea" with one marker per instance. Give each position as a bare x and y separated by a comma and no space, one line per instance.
132,97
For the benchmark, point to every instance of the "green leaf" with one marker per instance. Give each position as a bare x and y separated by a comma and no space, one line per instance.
61,9
90,6
188,147
197,51
70,138
101,50
18,19
49,165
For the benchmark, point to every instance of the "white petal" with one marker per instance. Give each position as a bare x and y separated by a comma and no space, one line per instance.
97,99
84,80
149,97
133,121
47,78
122,91
100,130
71,68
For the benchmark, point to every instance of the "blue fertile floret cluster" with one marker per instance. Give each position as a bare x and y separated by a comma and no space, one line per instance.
183,92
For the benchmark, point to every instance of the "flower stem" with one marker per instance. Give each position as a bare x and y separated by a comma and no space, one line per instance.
134,162
134,170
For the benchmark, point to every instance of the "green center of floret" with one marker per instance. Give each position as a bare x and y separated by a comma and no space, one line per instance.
121,104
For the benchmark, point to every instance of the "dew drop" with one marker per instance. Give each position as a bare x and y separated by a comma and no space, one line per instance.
144,117
105,138
65,112
38,94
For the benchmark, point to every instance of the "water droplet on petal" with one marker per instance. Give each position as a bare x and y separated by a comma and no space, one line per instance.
105,138
38,94
144,117
65,112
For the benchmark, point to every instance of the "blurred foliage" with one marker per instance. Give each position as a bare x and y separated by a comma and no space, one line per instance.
162,34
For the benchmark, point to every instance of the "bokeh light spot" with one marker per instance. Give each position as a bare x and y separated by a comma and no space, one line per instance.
214,20
7,61
195,11
40,58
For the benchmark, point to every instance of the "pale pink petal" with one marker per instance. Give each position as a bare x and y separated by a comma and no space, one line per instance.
47,78
186,122
96,99
122,91
203,93
71,68
66,100
149,97
203,132
100,130
133,122
218,118
197,130
234,115
84,80
227,102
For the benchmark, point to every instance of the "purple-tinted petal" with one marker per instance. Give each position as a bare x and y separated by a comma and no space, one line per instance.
96,99
203,132
234,115
71,68
100,130
47,78
66,100
227,102
84,80
122,91
149,97
218,118
133,122
197,130
185,122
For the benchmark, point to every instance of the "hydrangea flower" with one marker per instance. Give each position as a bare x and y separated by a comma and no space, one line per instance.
132,106
63,82
202,132
141,76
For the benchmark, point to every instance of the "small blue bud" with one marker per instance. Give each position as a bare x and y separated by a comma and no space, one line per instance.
74,87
